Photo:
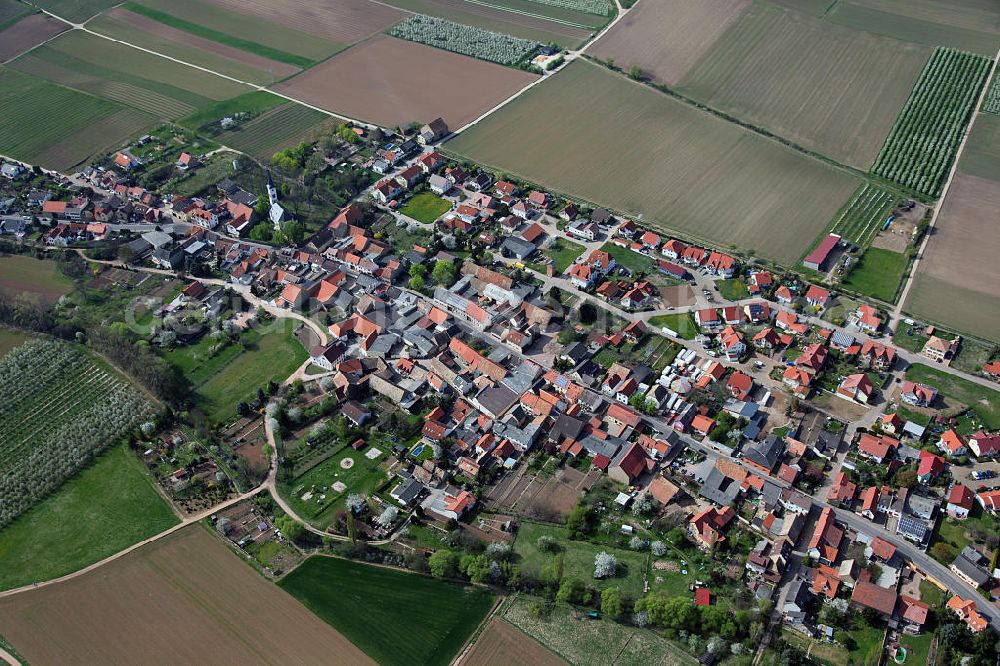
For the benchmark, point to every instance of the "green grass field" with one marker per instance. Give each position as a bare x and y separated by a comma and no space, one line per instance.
235,373
682,323
563,253
866,641
878,274
642,152
107,507
981,156
951,533
732,290
635,262
984,402
57,127
363,477
931,594
425,207
584,641
126,75
397,618
578,558
831,89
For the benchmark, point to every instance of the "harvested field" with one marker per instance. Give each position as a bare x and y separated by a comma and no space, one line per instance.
971,25
501,643
123,24
345,21
635,150
955,281
498,19
121,73
28,33
58,128
186,585
274,130
666,38
828,88
393,82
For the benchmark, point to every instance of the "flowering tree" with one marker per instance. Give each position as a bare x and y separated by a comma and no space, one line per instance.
605,565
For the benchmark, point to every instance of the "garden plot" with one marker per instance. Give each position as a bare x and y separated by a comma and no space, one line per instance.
58,409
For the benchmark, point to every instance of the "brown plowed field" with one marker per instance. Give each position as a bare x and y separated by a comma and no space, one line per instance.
393,82
28,33
956,280
144,24
667,37
345,21
503,644
186,599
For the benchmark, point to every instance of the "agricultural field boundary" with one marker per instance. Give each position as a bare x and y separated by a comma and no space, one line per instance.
571,24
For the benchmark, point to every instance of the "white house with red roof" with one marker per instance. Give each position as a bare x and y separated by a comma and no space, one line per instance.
856,387
960,500
952,444
708,319
985,445
818,297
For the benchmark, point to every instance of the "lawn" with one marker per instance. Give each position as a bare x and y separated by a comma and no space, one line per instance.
107,507
252,103
363,477
732,290
564,253
917,647
827,654
635,262
681,323
866,639
585,641
234,374
10,338
910,338
397,618
931,594
951,533
425,207
878,274
642,152
578,558
984,402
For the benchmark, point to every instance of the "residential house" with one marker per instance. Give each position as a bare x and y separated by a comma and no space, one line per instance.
882,600
970,566
630,464
966,611
706,527
817,296
857,387
930,467
960,499
984,445
867,319
740,385
919,395
708,319
952,444
876,355
939,349
824,545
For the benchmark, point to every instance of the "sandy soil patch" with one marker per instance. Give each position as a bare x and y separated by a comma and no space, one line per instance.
667,37
678,296
28,33
144,24
184,599
501,643
337,20
393,82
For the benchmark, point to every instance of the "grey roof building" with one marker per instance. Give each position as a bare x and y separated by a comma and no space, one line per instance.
766,454
719,488
969,565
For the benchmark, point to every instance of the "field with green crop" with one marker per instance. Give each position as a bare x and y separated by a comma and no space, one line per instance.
429,620
233,375
919,151
864,216
281,127
36,279
107,507
971,25
981,156
828,88
59,407
10,10
642,152
878,274
126,75
58,128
